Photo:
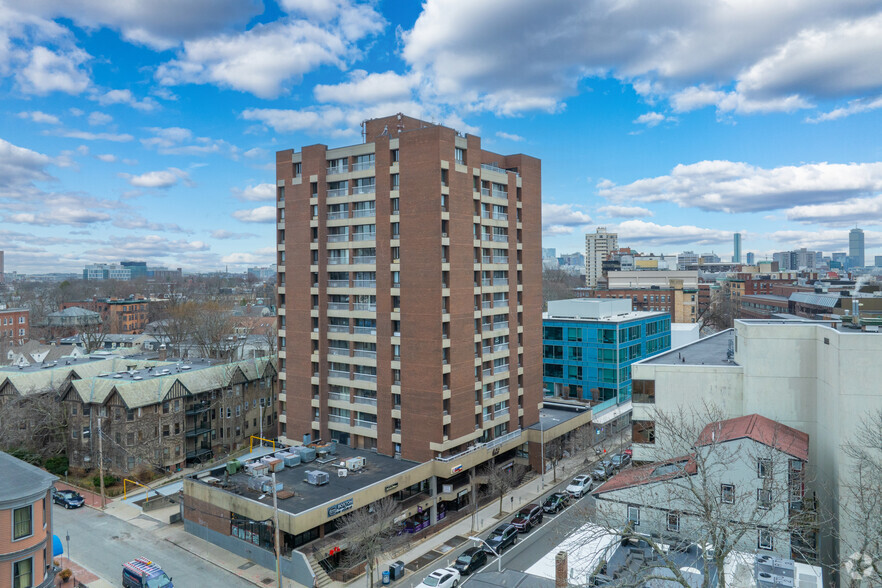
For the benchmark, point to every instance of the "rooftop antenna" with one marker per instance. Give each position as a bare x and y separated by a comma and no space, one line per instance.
364,131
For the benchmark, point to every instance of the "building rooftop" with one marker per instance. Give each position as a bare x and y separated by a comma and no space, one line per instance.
712,350
20,479
554,413
60,363
306,496
760,429
770,297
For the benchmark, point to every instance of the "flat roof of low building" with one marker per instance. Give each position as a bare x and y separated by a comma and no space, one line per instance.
63,362
554,413
306,496
712,350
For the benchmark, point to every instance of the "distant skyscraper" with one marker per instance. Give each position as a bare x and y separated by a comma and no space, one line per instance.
856,247
549,253
1,268
597,247
751,259
736,251
879,261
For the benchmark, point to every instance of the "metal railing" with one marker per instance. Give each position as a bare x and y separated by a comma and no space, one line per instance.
364,377
338,328
337,169
338,237
367,189
500,259
364,353
339,396
362,165
338,351
365,424
338,306
499,194
364,236
500,281
338,215
338,374
335,418
500,238
338,283
364,284
488,445
364,259
364,212
337,192
364,400
338,261
485,191
364,330
365,306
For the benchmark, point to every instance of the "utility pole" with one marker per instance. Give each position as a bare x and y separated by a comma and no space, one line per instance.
276,527
101,463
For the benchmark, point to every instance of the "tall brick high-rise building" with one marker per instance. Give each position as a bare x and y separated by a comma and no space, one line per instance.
409,291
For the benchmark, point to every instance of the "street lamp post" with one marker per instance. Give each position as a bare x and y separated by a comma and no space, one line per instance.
67,539
493,551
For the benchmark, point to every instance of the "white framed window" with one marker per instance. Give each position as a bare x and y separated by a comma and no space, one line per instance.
634,515
763,498
23,573
763,468
764,539
727,493
22,522
673,522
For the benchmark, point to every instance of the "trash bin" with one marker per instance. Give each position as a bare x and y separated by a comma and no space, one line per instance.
385,578
396,570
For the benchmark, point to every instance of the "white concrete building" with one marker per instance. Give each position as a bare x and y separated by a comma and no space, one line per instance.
597,246
648,279
808,375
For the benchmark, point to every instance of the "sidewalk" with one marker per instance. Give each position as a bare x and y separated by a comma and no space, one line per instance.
434,548
81,576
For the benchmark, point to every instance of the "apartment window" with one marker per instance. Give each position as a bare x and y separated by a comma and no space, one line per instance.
130,415
23,573
394,155
574,334
634,515
165,430
763,468
130,438
87,433
460,155
673,522
22,522
764,498
395,181
727,493
764,539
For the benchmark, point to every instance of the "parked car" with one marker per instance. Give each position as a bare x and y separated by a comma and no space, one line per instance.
528,517
441,578
67,498
502,537
580,485
556,502
143,573
602,470
620,460
470,560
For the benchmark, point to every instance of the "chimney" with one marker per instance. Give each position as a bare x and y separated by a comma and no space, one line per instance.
560,570
163,352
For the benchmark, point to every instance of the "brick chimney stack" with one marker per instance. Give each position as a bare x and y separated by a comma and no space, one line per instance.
560,570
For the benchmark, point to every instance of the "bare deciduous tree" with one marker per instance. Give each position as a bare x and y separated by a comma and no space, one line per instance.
860,506
558,284
371,531
500,480
691,496
35,422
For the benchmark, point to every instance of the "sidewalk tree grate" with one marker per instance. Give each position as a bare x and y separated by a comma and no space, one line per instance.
267,581
246,565
423,560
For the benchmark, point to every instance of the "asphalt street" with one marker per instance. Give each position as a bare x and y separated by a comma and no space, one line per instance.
102,543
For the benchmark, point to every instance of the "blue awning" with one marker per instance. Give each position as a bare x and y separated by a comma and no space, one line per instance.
57,547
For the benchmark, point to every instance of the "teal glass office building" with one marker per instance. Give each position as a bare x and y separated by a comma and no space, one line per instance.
590,344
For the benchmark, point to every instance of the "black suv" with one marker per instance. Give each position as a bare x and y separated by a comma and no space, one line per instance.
470,560
502,536
67,498
528,517
556,502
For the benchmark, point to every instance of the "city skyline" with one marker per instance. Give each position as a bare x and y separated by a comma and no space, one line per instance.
129,134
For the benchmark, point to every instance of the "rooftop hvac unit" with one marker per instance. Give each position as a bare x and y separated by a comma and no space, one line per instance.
765,580
353,464
256,469
273,463
317,478
341,472
307,454
783,567
290,459
783,582
765,563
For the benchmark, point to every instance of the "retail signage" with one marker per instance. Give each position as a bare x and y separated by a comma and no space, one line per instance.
456,469
339,507
390,487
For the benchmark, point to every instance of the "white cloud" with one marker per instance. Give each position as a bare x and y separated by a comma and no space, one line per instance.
261,214
265,59
248,258
224,234
624,211
158,179
87,136
847,212
19,167
136,222
853,107
181,141
50,71
509,136
650,119
729,186
363,87
126,97
106,157
40,117
99,118
160,24
652,234
562,219
256,153
827,240
753,56
257,193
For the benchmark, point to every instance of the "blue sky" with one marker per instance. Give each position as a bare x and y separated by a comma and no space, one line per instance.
147,130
